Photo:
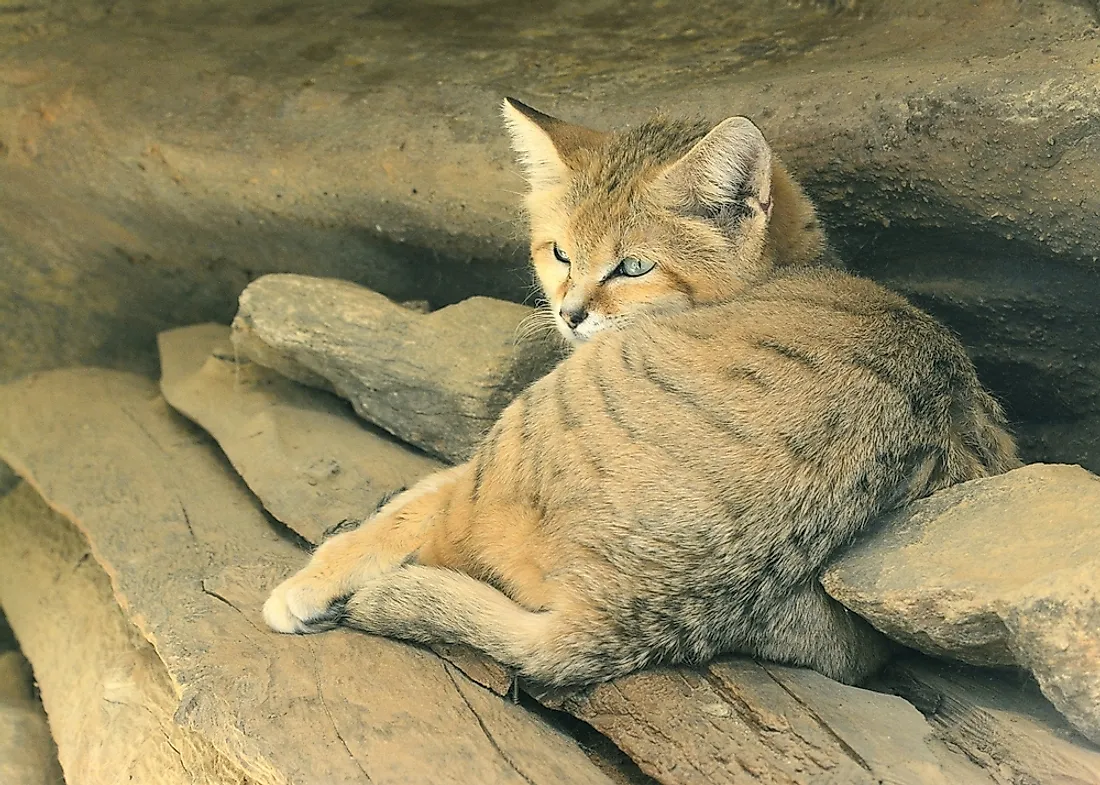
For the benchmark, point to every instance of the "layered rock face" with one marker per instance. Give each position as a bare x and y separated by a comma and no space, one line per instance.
155,158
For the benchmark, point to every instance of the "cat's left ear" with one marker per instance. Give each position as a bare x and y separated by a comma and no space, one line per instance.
727,173
547,147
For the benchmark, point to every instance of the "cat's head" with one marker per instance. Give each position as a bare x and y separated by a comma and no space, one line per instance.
664,216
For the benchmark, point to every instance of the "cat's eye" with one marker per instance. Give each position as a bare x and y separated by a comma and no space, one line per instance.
560,255
632,268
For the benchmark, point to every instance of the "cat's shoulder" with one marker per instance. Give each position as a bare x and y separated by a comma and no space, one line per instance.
825,286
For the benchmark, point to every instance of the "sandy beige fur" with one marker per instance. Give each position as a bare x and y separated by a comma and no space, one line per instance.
670,491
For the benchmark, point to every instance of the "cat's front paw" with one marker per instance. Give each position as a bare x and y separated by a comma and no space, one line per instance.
301,605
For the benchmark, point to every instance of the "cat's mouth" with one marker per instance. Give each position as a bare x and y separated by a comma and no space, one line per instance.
593,325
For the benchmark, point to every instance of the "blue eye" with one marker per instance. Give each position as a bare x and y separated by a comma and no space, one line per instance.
633,268
560,255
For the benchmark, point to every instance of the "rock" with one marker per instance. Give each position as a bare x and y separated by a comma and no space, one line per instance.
276,433
8,481
996,719
1055,628
437,381
738,722
16,678
952,148
998,571
109,698
312,462
28,755
192,556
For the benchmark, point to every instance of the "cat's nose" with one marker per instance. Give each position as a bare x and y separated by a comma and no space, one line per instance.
573,316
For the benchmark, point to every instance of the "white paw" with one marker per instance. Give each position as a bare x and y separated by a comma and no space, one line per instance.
297,607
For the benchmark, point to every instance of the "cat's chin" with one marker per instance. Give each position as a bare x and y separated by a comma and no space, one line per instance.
571,337
575,339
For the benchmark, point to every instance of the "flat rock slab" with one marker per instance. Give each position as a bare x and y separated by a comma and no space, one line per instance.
109,698
312,461
191,556
437,381
1002,722
737,722
1003,570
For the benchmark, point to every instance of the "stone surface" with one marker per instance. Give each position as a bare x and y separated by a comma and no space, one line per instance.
156,157
997,719
437,381
28,755
1003,570
1055,629
314,464
191,556
109,698
738,722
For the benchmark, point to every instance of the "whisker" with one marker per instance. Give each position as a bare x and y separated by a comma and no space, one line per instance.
539,322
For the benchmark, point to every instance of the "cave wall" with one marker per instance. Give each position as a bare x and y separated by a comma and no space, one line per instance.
155,157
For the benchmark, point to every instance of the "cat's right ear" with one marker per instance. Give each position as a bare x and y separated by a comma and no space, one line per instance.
547,147
727,172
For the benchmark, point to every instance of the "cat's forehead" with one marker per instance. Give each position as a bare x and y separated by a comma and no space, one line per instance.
628,156
609,185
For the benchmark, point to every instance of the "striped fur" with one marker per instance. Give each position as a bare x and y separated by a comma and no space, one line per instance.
672,490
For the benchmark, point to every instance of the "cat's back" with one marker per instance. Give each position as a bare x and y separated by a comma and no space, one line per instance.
811,377
804,342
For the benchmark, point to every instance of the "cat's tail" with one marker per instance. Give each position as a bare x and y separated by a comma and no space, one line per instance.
556,648
990,440
980,444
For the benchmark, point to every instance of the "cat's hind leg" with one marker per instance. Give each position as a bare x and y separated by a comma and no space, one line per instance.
312,599
567,644
812,630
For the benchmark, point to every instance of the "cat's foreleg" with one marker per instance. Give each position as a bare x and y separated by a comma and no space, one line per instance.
312,599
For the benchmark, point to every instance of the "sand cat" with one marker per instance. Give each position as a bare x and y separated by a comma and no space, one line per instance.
731,416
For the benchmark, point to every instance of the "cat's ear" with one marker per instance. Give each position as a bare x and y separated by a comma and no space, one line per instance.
547,147
727,173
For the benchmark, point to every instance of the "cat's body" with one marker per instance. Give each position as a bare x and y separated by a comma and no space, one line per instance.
672,490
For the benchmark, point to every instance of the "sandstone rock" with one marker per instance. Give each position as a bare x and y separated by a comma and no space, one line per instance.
738,722
312,462
997,719
998,571
952,148
28,755
1055,629
437,381
16,677
109,698
192,556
